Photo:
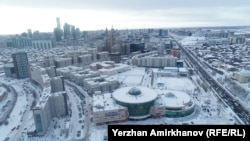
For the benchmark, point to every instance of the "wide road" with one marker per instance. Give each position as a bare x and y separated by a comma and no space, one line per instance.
241,111
87,108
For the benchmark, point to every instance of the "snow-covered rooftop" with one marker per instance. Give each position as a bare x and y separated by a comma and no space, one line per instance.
173,99
134,94
103,102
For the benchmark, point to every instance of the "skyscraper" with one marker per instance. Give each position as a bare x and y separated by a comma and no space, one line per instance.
30,33
20,61
58,23
58,31
67,31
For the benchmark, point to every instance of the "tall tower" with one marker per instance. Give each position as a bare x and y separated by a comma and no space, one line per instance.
112,36
20,61
106,38
30,33
58,23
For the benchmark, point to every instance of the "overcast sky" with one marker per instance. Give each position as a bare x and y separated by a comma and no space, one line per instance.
19,15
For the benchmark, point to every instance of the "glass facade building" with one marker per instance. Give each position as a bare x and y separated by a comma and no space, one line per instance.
20,61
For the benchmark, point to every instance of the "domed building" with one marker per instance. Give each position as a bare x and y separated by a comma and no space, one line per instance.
173,103
138,100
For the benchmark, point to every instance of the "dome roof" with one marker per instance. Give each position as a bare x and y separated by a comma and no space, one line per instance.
134,95
134,91
170,95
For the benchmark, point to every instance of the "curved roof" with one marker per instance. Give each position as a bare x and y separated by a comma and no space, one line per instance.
134,95
134,91
175,99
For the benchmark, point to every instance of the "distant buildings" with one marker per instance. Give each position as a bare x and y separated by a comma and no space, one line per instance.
237,40
31,40
103,56
110,39
109,67
137,47
43,44
49,60
116,57
85,59
30,33
70,32
63,62
58,23
102,84
58,31
19,42
158,62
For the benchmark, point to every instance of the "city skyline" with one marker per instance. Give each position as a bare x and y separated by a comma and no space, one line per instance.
17,16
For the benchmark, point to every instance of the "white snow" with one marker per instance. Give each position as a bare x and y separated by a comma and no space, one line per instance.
15,116
191,40
132,77
177,99
177,83
146,95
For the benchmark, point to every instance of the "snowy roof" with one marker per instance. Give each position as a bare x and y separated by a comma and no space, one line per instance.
183,70
43,100
173,99
102,102
134,94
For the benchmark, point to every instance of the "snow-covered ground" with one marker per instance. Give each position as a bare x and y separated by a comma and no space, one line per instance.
132,77
15,117
177,83
191,40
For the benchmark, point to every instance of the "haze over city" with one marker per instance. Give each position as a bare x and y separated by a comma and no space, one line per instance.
18,16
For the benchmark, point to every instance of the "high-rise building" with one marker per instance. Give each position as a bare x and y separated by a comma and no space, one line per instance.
137,47
57,84
43,44
20,61
161,48
50,105
19,42
58,31
110,39
29,33
58,23
58,34
66,28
